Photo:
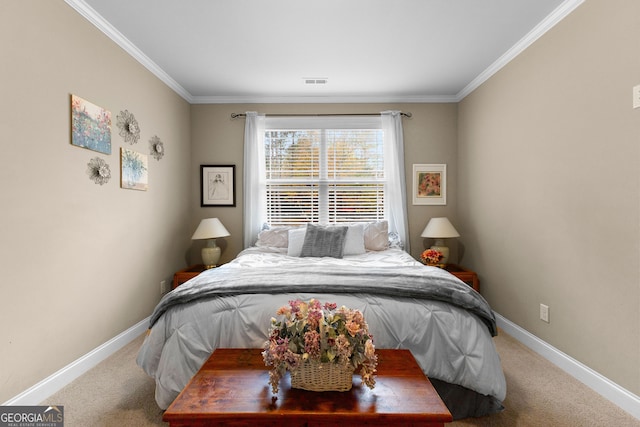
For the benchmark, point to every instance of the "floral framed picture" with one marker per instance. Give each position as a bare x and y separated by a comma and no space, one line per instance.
90,126
217,185
430,184
135,170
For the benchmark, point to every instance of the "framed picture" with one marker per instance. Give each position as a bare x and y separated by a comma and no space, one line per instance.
217,185
430,184
135,170
90,126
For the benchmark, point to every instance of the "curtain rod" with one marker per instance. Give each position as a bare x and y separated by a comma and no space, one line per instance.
236,115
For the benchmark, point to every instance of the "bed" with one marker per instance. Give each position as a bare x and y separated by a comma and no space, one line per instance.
446,324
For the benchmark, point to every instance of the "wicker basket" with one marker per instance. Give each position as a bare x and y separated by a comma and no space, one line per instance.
317,376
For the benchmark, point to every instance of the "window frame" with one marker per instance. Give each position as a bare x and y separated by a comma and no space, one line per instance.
324,182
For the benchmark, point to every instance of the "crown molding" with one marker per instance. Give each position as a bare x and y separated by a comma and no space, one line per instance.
321,99
110,31
538,31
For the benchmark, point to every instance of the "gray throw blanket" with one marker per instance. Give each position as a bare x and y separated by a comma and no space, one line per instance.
405,282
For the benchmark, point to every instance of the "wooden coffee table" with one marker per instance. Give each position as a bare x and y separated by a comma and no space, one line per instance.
232,388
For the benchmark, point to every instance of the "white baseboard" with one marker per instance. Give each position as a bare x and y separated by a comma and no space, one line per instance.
600,384
45,388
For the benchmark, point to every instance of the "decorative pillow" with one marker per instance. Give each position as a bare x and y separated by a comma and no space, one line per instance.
275,237
354,240
376,236
394,240
323,241
296,239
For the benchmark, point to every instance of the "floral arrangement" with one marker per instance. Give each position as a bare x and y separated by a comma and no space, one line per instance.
325,333
431,256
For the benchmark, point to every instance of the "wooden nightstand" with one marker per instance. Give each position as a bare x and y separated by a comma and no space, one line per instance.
187,273
467,276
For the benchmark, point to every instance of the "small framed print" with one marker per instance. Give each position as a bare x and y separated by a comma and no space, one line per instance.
134,173
430,184
217,185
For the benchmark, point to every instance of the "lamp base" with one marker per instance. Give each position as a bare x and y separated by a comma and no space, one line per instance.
210,254
439,246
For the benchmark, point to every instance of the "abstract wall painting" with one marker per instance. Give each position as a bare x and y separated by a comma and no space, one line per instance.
90,126
135,168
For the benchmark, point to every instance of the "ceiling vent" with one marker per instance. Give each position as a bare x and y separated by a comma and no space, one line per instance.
315,80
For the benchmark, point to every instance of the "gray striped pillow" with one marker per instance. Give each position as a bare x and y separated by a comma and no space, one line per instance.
322,241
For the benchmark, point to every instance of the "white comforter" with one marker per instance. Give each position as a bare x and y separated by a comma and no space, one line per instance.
448,342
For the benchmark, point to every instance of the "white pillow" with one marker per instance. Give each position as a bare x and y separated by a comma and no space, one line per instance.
354,240
376,236
296,239
275,237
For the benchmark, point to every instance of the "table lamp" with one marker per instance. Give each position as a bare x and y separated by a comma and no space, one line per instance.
210,228
440,229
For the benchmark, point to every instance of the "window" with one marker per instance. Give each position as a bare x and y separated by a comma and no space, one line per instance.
331,169
325,175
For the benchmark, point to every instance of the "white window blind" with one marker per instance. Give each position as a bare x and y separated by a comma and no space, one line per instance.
324,174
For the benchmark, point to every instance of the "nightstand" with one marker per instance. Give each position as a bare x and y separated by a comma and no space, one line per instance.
467,276
187,273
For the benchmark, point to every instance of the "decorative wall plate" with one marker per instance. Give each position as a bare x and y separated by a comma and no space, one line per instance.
128,126
156,148
98,171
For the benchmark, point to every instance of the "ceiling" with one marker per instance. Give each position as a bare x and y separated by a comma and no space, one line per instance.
237,51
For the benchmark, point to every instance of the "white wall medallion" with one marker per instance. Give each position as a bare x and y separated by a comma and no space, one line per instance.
98,171
156,148
129,128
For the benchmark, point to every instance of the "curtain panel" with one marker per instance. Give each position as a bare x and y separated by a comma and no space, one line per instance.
255,200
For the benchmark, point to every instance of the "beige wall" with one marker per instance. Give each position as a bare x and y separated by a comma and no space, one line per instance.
430,137
80,262
549,191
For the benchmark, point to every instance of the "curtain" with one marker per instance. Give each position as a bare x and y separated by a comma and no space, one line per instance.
254,175
396,191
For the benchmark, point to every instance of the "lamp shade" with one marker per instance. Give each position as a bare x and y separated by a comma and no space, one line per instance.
210,228
440,228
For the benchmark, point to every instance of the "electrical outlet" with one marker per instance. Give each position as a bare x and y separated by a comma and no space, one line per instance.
163,287
544,313
636,96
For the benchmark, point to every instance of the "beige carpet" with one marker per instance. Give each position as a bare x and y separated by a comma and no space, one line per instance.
118,393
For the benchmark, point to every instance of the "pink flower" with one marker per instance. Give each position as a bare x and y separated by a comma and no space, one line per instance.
314,317
312,343
330,306
343,348
314,304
